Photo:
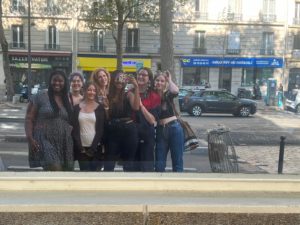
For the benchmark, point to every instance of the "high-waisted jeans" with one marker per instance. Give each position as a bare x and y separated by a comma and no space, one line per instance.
169,137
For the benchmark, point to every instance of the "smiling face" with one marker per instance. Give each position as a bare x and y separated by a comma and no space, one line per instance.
57,83
102,78
160,83
91,92
76,83
143,77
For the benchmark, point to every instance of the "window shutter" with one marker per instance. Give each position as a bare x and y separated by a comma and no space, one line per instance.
136,38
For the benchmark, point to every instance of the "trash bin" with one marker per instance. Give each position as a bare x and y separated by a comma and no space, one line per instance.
221,152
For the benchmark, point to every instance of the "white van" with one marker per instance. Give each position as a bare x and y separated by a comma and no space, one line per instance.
293,103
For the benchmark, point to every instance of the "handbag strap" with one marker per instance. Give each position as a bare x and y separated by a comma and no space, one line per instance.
174,109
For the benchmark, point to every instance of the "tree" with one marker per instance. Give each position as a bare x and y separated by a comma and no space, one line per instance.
112,15
7,73
166,36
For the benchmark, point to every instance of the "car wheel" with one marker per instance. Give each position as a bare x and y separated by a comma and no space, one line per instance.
21,99
298,109
196,110
244,111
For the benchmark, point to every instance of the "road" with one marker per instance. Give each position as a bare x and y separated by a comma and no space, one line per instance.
259,129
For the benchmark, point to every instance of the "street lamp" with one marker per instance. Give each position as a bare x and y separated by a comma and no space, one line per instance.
29,79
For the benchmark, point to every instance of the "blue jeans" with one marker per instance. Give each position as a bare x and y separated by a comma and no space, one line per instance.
169,137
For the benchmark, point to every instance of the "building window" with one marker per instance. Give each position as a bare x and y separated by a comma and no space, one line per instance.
201,9
233,45
297,13
234,10
52,38
296,44
199,42
52,7
269,14
134,8
132,40
258,76
17,6
97,40
225,78
197,5
267,44
195,76
17,36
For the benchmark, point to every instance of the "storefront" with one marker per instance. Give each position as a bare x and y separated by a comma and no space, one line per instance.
41,66
88,63
228,72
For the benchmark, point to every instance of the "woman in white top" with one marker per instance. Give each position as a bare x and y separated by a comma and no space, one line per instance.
88,125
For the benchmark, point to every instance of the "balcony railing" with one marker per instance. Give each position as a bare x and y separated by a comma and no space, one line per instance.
268,18
234,17
133,49
100,48
17,45
199,50
52,47
232,51
296,20
266,51
201,15
296,53
20,9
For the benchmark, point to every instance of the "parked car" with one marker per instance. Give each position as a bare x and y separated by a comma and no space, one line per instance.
184,94
293,103
218,101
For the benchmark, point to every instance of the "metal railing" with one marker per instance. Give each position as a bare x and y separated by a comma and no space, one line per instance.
20,45
51,47
133,49
100,48
199,50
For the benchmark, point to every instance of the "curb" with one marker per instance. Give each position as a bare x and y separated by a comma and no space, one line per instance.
14,138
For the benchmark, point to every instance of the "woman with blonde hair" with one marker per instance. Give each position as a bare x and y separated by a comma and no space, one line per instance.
101,78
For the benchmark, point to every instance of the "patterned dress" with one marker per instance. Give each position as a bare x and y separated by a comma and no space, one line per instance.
53,135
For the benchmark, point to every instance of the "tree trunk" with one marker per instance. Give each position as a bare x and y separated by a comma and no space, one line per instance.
119,46
166,36
4,46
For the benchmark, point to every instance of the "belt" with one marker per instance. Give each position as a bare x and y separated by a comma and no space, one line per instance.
170,123
121,120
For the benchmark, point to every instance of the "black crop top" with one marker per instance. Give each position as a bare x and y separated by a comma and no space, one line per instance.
166,105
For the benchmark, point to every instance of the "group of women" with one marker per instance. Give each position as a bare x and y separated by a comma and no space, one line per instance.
113,118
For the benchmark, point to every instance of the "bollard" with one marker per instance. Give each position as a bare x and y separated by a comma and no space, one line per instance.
281,154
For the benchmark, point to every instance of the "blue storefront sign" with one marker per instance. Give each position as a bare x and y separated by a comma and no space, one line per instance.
231,62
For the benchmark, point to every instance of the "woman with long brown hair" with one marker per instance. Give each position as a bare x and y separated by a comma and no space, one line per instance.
122,135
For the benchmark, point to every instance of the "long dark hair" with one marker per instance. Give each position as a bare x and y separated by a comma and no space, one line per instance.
64,94
151,77
113,92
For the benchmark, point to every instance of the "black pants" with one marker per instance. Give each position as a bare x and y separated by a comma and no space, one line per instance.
122,143
88,163
145,153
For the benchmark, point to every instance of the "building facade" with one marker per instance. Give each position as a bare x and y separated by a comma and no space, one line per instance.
227,43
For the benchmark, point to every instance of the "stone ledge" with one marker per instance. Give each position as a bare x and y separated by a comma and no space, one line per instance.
268,209
119,181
